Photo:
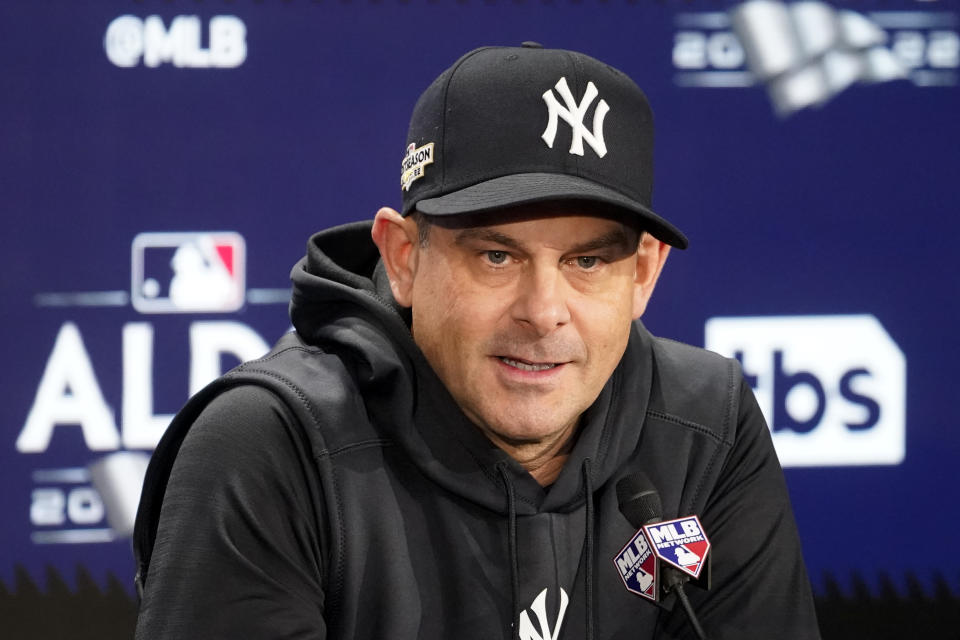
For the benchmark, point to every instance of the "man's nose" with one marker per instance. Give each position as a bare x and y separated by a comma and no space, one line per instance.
541,301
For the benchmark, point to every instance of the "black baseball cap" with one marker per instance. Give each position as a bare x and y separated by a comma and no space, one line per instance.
509,126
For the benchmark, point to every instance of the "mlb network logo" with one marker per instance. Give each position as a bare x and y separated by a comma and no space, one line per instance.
832,388
188,272
681,543
637,566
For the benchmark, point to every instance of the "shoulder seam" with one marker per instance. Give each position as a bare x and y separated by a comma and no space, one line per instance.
695,426
363,444
731,387
285,382
277,354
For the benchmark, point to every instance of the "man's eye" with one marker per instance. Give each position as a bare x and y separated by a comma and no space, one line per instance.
497,257
587,262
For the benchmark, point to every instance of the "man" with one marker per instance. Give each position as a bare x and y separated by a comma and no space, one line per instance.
436,451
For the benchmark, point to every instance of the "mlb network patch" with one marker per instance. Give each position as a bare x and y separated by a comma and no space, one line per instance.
680,543
637,565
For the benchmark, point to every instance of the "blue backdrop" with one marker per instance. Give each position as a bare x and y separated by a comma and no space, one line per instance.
822,230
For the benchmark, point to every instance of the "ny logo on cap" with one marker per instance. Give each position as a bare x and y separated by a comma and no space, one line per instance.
574,114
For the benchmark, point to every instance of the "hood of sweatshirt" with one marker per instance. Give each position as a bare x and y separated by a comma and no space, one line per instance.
342,303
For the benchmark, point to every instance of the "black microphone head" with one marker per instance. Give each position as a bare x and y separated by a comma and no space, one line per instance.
639,500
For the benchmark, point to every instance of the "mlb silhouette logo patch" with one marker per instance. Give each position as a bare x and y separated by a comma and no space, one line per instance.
637,565
188,272
680,543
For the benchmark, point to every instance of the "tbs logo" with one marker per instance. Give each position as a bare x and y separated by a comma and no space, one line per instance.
188,272
832,388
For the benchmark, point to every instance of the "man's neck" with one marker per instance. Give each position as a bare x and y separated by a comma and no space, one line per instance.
542,460
547,473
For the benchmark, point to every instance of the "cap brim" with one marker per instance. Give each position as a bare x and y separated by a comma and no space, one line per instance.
529,188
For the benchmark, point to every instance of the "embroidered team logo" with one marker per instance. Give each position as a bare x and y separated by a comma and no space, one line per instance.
539,609
680,543
574,114
637,565
414,162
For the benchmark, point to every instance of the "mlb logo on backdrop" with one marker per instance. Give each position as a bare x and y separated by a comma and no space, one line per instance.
832,388
188,272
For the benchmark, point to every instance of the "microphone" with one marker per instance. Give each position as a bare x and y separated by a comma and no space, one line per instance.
662,556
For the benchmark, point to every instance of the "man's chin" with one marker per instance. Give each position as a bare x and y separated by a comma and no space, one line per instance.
517,432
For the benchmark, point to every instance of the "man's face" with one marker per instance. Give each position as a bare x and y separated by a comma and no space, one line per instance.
525,321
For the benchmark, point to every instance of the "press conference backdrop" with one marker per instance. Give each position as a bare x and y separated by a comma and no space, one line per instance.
164,162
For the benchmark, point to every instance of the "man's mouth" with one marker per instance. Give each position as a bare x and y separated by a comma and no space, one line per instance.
528,366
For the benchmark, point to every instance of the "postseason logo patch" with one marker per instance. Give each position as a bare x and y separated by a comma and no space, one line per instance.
681,543
414,162
637,565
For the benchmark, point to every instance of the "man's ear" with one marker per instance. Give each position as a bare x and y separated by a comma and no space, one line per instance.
651,255
398,240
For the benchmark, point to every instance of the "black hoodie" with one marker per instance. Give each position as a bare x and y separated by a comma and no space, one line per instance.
334,489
